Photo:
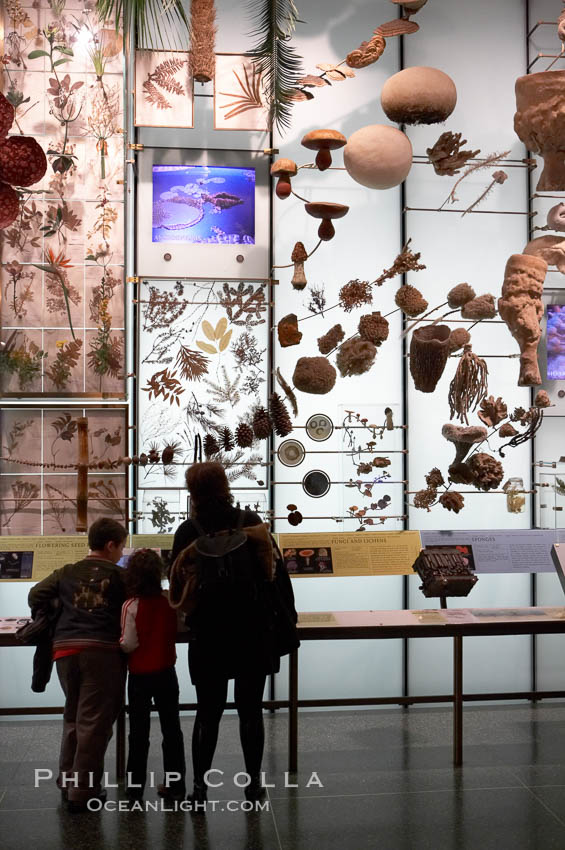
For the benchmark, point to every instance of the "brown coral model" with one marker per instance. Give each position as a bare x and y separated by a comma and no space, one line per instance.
9,205
458,339
331,339
202,40
540,123
419,95
468,386
262,424
493,411
429,350
279,415
521,308
244,435
463,438
446,155
355,294
298,257
482,307
355,357
314,375
380,462
487,471
374,328
287,330
323,141
452,501
7,115
410,300
367,52
460,295
22,161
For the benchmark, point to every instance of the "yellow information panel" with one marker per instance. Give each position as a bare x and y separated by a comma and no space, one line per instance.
33,558
360,554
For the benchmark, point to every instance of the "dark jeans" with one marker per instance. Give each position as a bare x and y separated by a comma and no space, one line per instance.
93,684
211,693
163,688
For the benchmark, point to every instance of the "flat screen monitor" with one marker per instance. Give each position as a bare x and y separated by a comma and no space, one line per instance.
555,342
203,214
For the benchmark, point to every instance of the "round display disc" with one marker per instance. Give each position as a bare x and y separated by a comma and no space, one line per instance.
316,483
319,427
291,453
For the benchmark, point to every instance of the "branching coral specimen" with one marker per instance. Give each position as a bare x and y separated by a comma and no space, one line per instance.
446,155
468,386
406,261
451,500
355,294
497,177
488,162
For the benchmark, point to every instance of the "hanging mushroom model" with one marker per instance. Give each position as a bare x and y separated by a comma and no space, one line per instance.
298,258
283,170
419,95
323,141
326,212
378,156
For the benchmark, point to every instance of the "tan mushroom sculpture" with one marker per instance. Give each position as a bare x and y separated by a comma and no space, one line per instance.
323,141
463,437
327,212
298,258
283,169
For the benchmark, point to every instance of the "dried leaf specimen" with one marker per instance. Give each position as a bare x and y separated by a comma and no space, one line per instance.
191,364
163,89
164,383
246,89
163,77
244,304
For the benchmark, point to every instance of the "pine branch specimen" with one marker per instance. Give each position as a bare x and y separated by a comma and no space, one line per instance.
277,62
202,40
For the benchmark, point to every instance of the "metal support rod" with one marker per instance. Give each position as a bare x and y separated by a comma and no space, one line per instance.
457,701
293,711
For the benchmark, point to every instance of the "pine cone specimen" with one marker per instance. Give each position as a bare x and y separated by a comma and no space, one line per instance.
22,161
459,338
168,453
244,435
410,300
373,328
7,114
331,339
492,411
211,446
355,357
226,438
487,471
452,501
279,415
154,455
460,473
9,205
434,478
262,425
459,295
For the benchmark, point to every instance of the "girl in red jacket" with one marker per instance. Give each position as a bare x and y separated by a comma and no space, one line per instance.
149,628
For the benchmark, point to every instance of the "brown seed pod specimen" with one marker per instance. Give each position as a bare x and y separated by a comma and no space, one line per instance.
410,300
226,439
294,517
446,155
521,307
429,350
468,386
493,410
287,330
210,445
331,339
458,339
154,455
262,424
482,307
460,295
298,257
244,435
374,328
487,471
202,40
279,415
355,356
169,452
452,501
381,462
314,375
355,294
367,52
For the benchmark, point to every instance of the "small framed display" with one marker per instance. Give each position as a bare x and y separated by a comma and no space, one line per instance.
163,89
239,102
204,213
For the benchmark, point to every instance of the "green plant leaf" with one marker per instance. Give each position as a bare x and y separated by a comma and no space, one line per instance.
60,62
153,20
35,54
66,50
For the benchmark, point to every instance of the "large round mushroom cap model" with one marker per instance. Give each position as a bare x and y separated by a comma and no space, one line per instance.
283,169
378,156
323,141
419,95
326,212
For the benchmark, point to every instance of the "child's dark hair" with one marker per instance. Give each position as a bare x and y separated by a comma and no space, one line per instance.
143,573
105,530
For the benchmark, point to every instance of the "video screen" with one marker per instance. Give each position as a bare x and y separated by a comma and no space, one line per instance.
203,204
555,342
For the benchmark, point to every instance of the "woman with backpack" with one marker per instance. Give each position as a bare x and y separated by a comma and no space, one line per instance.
222,575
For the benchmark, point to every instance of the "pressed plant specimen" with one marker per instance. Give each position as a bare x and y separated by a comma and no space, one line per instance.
105,493
25,233
15,435
164,383
105,356
248,95
105,219
244,304
161,517
55,265
23,360
164,77
67,357
18,289
60,504
65,428
24,493
191,364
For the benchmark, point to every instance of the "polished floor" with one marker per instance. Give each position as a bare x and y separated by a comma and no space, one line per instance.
387,783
